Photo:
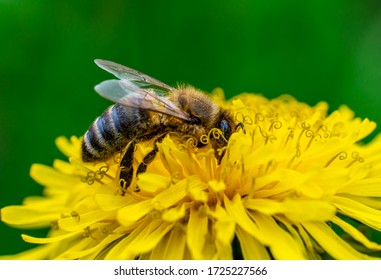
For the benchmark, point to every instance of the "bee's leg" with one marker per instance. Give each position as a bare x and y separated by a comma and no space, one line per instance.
126,164
241,126
149,157
126,168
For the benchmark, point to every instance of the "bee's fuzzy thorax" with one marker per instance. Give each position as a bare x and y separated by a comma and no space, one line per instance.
198,104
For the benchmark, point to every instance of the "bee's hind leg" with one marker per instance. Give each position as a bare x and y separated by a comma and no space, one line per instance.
126,168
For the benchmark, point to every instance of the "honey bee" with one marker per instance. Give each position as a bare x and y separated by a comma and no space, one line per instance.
147,109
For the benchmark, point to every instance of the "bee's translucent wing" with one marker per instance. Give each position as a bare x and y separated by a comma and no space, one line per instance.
129,94
135,77
138,90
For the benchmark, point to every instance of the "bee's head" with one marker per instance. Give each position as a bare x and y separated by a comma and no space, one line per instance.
205,115
225,123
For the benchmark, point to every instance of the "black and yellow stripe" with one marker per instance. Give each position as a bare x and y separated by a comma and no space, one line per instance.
112,131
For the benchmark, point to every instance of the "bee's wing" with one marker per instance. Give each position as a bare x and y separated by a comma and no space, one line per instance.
137,78
129,94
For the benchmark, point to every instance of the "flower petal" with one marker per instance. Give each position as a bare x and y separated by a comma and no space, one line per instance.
251,248
294,209
288,180
49,177
332,243
224,227
165,249
282,245
133,212
28,216
171,157
69,148
153,183
356,234
238,213
175,193
80,221
76,252
216,186
41,240
109,202
358,211
197,231
196,191
141,240
366,187
174,214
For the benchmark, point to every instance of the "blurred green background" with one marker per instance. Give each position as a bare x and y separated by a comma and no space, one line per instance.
314,50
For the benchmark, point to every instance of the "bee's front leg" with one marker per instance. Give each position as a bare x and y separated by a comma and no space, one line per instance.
126,164
149,157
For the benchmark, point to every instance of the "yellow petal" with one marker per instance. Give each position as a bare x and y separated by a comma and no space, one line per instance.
81,221
366,128
119,249
288,180
166,250
356,234
49,177
224,227
294,209
331,177
216,186
150,237
251,248
40,240
239,145
197,231
143,239
132,213
68,148
175,193
282,245
238,213
75,252
110,202
196,191
28,216
53,203
65,167
358,211
332,243
312,253
174,214
366,187
153,183
371,202
75,247
172,157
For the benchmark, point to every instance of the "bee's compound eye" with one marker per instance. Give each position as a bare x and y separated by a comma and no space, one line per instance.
195,120
225,128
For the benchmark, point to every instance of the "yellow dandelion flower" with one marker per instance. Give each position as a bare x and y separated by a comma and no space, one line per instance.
289,186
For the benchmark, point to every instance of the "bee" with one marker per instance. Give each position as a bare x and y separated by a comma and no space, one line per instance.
147,109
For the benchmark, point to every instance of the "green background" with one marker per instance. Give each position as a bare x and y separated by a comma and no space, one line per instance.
314,50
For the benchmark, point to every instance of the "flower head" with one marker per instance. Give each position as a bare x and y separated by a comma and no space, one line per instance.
289,182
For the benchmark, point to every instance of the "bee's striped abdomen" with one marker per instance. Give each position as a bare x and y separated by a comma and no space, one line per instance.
111,132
